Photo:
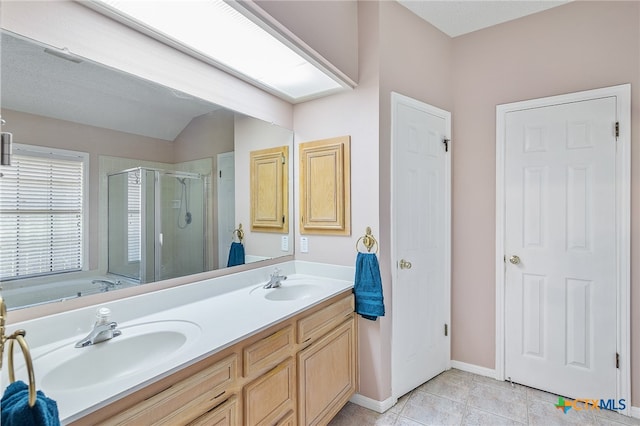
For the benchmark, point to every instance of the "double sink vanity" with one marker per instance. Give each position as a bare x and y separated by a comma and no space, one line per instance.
220,351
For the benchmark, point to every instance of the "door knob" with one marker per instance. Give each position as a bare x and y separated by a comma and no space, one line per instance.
405,264
514,259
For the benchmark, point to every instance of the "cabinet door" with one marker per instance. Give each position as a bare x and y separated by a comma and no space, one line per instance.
327,371
270,190
185,400
271,395
224,415
325,187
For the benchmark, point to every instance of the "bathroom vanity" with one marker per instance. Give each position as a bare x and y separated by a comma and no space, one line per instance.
221,351
299,371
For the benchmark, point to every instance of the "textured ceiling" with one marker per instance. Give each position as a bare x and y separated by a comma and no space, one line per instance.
42,84
456,18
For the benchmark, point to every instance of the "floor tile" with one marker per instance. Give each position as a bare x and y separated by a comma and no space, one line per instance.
505,402
354,415
475,416
449,385
457,397
433,410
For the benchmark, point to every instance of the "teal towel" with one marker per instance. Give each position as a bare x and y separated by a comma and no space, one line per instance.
16,411
236,254
368,287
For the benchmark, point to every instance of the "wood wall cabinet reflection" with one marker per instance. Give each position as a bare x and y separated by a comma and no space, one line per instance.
325,186
270,190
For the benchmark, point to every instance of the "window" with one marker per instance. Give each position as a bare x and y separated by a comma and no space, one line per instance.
42,212
134,216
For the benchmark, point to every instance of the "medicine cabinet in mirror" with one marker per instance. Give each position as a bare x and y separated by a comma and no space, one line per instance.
165,182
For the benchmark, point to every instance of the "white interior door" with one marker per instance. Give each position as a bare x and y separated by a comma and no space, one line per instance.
226,206
560,248
421,242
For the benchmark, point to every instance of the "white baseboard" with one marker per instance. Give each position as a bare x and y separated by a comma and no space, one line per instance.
475,369
635,412
372,404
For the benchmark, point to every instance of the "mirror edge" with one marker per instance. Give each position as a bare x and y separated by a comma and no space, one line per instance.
25,314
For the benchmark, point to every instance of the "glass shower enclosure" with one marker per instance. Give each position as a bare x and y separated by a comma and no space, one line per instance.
156,224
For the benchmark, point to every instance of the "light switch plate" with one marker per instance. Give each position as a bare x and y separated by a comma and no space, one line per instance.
284,243
304,245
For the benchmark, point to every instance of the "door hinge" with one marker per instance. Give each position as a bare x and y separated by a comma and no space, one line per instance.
446,144
617,360
446,329
617,129
283,219
220,172
284,161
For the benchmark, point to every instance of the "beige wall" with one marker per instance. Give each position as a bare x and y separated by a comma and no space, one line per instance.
578,46
354,113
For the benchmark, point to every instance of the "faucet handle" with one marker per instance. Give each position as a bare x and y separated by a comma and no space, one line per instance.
102,315
276,272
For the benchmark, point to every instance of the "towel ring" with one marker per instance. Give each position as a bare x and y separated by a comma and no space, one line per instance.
19,337
368,240
239,232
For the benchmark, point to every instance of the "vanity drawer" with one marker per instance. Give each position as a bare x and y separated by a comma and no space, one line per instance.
224,415
268,352
269,397
186,400
322,321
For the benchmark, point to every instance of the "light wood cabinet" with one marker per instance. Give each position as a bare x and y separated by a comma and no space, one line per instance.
268,352
225,414
272,395
325,187
299,371
269,192
186,400
327,375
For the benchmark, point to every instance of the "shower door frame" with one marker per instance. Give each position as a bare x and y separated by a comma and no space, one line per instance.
158,235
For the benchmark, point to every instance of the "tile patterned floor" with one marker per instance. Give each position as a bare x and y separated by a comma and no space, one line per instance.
459,398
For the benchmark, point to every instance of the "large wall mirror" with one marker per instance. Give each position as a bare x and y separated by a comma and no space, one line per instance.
153,183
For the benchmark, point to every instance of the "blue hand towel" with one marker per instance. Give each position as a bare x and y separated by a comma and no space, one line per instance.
368,287
236,254
16,411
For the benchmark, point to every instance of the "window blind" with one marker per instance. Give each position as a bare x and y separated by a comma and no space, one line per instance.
134,219
41,216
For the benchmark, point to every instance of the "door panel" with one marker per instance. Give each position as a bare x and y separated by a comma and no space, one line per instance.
421,244
560,205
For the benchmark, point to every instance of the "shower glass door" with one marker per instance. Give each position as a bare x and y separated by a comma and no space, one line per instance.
180,225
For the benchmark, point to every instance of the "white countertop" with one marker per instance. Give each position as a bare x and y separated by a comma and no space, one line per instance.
222,311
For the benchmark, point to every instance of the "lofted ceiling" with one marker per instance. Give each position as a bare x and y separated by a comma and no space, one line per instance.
455,18
86,93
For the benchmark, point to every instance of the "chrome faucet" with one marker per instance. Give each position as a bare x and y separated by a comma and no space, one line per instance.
102,329
275,279
106,285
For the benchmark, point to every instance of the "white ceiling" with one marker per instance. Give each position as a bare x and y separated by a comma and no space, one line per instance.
455,18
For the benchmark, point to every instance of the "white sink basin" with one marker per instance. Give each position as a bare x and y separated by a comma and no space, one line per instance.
291,289
140,347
